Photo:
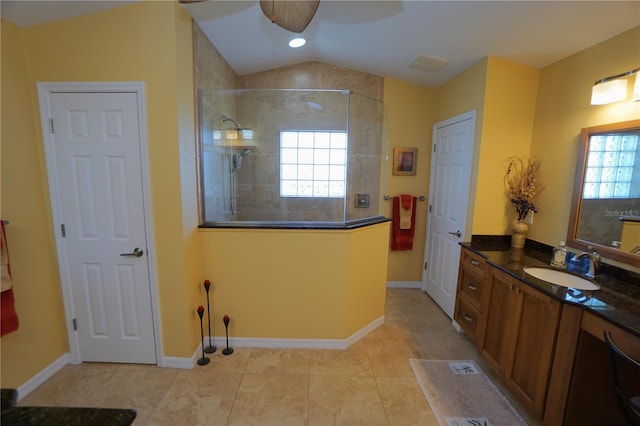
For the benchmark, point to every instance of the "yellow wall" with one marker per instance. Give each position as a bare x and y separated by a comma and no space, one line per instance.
503,94
195,294
149,42
508,113
135,43
302,284
411,116
464,93
562,109
42,336
367,269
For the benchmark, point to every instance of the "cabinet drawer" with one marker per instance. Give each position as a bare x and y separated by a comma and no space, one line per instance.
474,262
467,317
472,285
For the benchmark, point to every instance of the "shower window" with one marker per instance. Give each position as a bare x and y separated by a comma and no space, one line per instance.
313,163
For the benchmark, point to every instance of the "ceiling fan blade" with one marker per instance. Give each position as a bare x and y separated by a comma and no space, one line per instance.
292,15
191,1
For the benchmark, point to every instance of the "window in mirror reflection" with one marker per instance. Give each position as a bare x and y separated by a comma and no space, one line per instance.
610,167
611,190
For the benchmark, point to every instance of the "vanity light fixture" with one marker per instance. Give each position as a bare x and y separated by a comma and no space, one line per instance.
614,88
635,96
297,42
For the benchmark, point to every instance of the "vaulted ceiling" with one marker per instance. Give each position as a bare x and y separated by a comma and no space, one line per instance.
381,37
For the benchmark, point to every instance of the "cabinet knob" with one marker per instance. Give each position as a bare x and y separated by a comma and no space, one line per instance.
471,287
474,262
467,317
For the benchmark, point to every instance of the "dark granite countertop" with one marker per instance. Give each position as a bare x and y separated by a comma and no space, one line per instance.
68,416
617,301
12,415
349,225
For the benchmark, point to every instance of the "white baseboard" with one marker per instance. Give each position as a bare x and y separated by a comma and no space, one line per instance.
177,362
220,343
404,284
30,385
264,342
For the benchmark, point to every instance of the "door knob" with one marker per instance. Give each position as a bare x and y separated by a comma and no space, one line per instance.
136,253
457,233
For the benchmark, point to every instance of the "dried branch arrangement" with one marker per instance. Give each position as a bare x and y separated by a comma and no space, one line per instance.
521,184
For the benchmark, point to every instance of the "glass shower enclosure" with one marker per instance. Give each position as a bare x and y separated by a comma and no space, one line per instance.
291,157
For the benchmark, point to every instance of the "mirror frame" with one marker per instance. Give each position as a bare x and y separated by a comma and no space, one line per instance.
576,202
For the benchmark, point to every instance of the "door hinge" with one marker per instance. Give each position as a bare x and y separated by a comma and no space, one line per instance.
434,146
75,325
425,266
51,125
63,230
429,208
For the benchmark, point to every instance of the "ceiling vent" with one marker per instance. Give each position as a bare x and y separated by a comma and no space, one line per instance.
428,63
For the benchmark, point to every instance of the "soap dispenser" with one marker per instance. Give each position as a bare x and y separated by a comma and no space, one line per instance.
559,258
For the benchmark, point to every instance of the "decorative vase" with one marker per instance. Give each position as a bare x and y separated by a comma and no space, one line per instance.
518,234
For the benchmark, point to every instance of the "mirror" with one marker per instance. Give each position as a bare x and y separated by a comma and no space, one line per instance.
605,211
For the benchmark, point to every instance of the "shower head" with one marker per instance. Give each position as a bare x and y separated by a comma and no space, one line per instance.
226,119
237,159
243,132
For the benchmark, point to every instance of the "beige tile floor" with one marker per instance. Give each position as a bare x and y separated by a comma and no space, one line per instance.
371,383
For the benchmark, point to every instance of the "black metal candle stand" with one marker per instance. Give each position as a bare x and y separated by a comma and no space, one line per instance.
211,348
204,360
227,350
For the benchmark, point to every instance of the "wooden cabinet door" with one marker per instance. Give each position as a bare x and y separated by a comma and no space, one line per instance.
530,348
496,328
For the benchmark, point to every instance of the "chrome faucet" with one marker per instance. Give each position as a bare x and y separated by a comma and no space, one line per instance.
594,262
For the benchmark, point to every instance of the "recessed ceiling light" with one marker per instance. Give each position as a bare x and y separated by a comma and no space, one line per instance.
297,42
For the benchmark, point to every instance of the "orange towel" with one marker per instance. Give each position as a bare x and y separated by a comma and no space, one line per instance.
402,239
406,211
8,316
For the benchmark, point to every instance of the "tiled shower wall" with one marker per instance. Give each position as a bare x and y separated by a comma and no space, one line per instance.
258,181
599,219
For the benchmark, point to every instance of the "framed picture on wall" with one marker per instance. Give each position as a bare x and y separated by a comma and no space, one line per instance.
404,161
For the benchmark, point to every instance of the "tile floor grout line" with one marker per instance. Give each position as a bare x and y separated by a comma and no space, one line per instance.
375,378
235,397
414,325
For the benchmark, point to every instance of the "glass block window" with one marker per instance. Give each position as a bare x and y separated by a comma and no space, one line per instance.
313,163
610,163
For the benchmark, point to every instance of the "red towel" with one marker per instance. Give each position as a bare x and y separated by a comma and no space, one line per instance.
8,316
402,239
406,201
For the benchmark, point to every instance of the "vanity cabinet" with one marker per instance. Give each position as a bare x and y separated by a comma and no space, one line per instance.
518,337
591,399
550,353
471,293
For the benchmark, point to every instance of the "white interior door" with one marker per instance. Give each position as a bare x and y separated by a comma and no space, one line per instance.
448,200
103,237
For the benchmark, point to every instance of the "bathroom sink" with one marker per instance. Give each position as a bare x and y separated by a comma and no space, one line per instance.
561,278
